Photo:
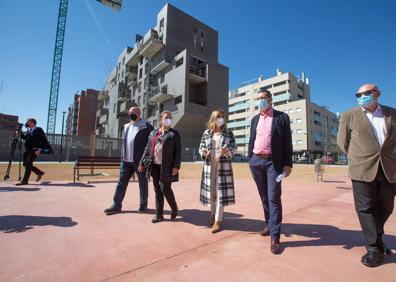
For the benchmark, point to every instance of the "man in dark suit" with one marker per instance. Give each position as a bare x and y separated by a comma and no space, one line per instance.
367,134
35,141
270,155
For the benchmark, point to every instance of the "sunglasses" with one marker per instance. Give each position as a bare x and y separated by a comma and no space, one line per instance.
366,93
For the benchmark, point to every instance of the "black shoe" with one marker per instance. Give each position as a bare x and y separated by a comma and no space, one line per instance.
39,177
373,259
275,247
174,213
22,183
112,210
387,251
142,209
157,218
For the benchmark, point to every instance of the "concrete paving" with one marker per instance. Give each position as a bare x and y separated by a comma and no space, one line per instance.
56,231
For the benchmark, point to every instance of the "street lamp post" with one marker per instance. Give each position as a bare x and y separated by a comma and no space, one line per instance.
61,144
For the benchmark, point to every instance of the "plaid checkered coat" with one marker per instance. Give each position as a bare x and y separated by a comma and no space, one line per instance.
225,176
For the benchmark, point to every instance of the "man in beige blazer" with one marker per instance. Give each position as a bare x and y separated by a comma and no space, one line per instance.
367,134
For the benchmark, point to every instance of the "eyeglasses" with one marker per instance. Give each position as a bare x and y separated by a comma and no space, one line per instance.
366,93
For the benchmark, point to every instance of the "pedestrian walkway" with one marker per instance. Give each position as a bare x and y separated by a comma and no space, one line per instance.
56,231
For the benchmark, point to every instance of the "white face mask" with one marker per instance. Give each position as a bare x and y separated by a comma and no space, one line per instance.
167,122
220,122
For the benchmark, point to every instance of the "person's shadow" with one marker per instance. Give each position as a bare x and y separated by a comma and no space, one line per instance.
18,189
232,221
327,235
22,223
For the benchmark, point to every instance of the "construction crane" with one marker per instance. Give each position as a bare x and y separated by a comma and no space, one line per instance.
57,61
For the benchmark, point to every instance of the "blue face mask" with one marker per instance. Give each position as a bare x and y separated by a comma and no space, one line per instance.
364,101
262,104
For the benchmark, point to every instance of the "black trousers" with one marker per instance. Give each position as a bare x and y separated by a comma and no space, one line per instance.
374,202
162,189
28,159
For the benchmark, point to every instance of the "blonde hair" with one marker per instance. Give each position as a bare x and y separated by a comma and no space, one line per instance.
162,115
212,120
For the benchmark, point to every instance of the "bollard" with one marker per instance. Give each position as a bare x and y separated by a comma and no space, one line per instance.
319,169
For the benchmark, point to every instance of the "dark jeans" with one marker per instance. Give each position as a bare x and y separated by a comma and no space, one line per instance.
28,159
374,202
270,191
126,171
162,189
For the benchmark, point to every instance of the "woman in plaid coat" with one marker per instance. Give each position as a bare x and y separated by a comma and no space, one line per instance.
217,183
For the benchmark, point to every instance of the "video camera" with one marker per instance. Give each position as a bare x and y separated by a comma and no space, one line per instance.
19,127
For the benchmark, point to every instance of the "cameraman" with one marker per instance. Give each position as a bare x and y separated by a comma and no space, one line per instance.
35,140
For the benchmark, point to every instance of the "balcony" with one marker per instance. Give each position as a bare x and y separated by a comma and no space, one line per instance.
103,119
281,98
131,72
151,45
132,59
159,95
124,94
102,112
197,75
158,63
125,106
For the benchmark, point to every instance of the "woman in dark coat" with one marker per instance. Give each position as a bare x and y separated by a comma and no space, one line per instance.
162,157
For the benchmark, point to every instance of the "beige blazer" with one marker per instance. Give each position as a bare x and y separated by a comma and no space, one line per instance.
356,139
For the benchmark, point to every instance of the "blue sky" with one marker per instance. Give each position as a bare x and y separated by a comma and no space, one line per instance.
338,44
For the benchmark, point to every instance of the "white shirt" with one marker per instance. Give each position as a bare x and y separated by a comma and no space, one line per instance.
130,138
378,125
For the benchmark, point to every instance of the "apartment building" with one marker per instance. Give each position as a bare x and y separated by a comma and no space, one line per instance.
81,114
173,66
8,122
314,128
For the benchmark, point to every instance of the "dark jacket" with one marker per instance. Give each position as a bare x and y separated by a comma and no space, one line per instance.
35,139
140,142
281,140
171,154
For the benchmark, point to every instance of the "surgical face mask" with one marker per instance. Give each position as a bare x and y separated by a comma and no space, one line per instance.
365,100
220,122
133,116
262,104
167,122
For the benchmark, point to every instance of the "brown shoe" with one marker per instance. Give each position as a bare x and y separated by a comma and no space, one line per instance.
275,247
265,231
22,183
216,227
39,177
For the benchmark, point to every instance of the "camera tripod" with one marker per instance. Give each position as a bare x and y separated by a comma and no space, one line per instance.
16,142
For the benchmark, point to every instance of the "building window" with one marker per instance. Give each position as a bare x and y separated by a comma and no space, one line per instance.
298,120
146,67
161,27
141,60
299,142
291,111
279,93
179,62
298,110
195,38
178,99
123,61
279,83
114,108
202,41
162,78
299,131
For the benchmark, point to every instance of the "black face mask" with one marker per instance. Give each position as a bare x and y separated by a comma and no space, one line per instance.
133,117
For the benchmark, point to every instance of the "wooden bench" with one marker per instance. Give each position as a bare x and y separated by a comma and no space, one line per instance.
88,162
